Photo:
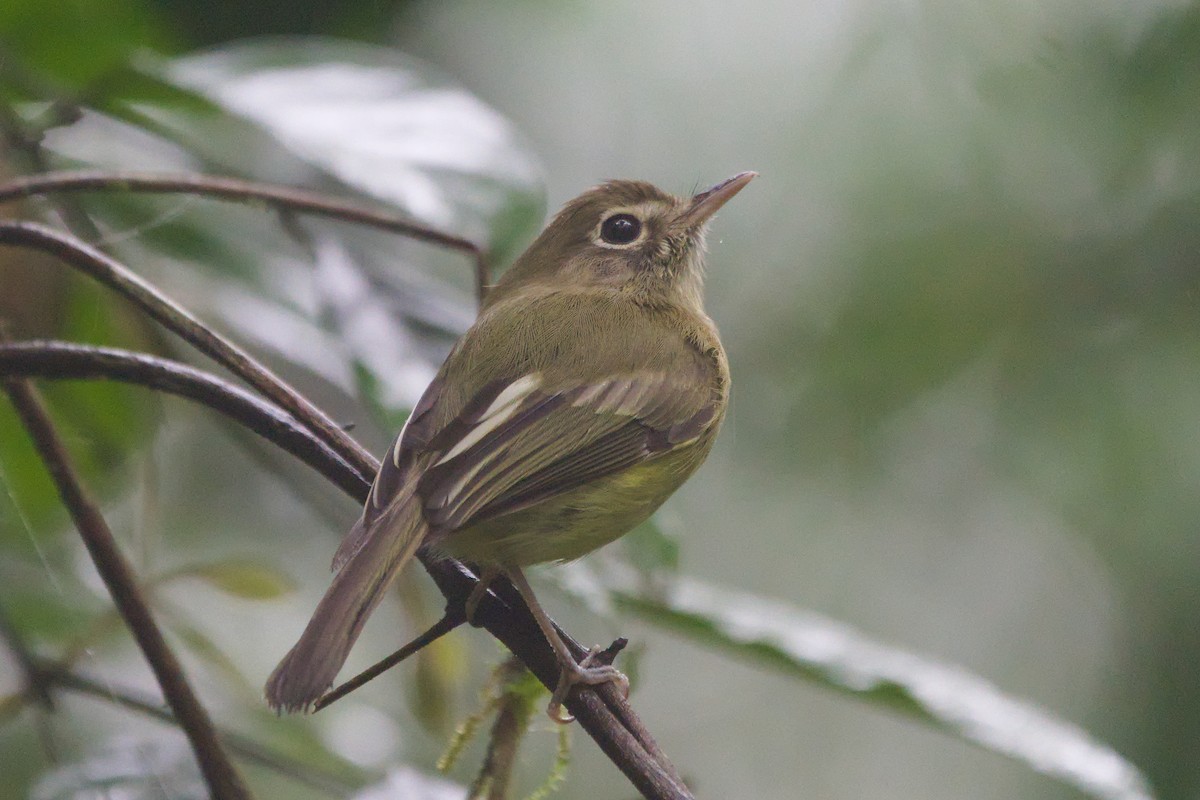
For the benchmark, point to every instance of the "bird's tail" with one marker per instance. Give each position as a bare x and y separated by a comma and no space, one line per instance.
310,667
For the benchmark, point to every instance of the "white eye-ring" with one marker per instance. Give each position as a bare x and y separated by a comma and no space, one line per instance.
620,230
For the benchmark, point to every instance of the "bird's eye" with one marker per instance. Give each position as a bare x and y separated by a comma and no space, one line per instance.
620,229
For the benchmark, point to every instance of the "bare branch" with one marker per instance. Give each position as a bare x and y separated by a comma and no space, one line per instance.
451,620
223,781
246,192
65,360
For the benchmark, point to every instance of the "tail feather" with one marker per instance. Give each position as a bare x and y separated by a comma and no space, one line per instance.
309,668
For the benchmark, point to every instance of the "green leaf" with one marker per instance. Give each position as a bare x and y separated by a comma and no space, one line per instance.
815,648
390,368
44,603
228,263
107,422
245,579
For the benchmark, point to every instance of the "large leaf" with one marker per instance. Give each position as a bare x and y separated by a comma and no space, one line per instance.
381,123
815,648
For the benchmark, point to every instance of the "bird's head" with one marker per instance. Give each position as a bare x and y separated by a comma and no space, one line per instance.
629,236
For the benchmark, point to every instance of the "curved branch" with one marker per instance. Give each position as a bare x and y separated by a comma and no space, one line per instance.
65,360
602,712
243,191
174,317
222,779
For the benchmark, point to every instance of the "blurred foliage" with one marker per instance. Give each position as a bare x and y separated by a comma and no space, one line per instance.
811,647
988,222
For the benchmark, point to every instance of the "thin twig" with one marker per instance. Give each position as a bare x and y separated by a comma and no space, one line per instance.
174,317
246,192
451,620
66,360
242,746
222,779
620,735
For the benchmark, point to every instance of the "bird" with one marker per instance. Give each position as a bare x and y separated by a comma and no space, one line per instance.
591,385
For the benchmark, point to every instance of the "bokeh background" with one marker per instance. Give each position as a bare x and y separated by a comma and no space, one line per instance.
962,305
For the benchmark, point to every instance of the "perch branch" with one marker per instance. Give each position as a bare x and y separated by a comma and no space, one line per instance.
65,360
246,192
223,781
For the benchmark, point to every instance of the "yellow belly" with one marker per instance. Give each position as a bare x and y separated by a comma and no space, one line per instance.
573,524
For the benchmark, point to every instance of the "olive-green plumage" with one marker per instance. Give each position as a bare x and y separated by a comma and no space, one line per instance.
589,388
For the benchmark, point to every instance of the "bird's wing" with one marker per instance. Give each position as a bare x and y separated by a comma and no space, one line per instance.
518,442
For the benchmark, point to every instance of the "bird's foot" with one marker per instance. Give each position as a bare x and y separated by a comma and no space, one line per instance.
486,576
587,673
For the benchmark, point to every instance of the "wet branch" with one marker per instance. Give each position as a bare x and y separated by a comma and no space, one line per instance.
66,360
223,781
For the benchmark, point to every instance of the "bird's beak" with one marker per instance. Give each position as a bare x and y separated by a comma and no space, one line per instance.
705,204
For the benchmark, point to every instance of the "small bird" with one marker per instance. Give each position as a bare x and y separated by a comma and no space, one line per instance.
591,385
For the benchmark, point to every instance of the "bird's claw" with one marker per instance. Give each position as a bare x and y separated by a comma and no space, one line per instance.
583,672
